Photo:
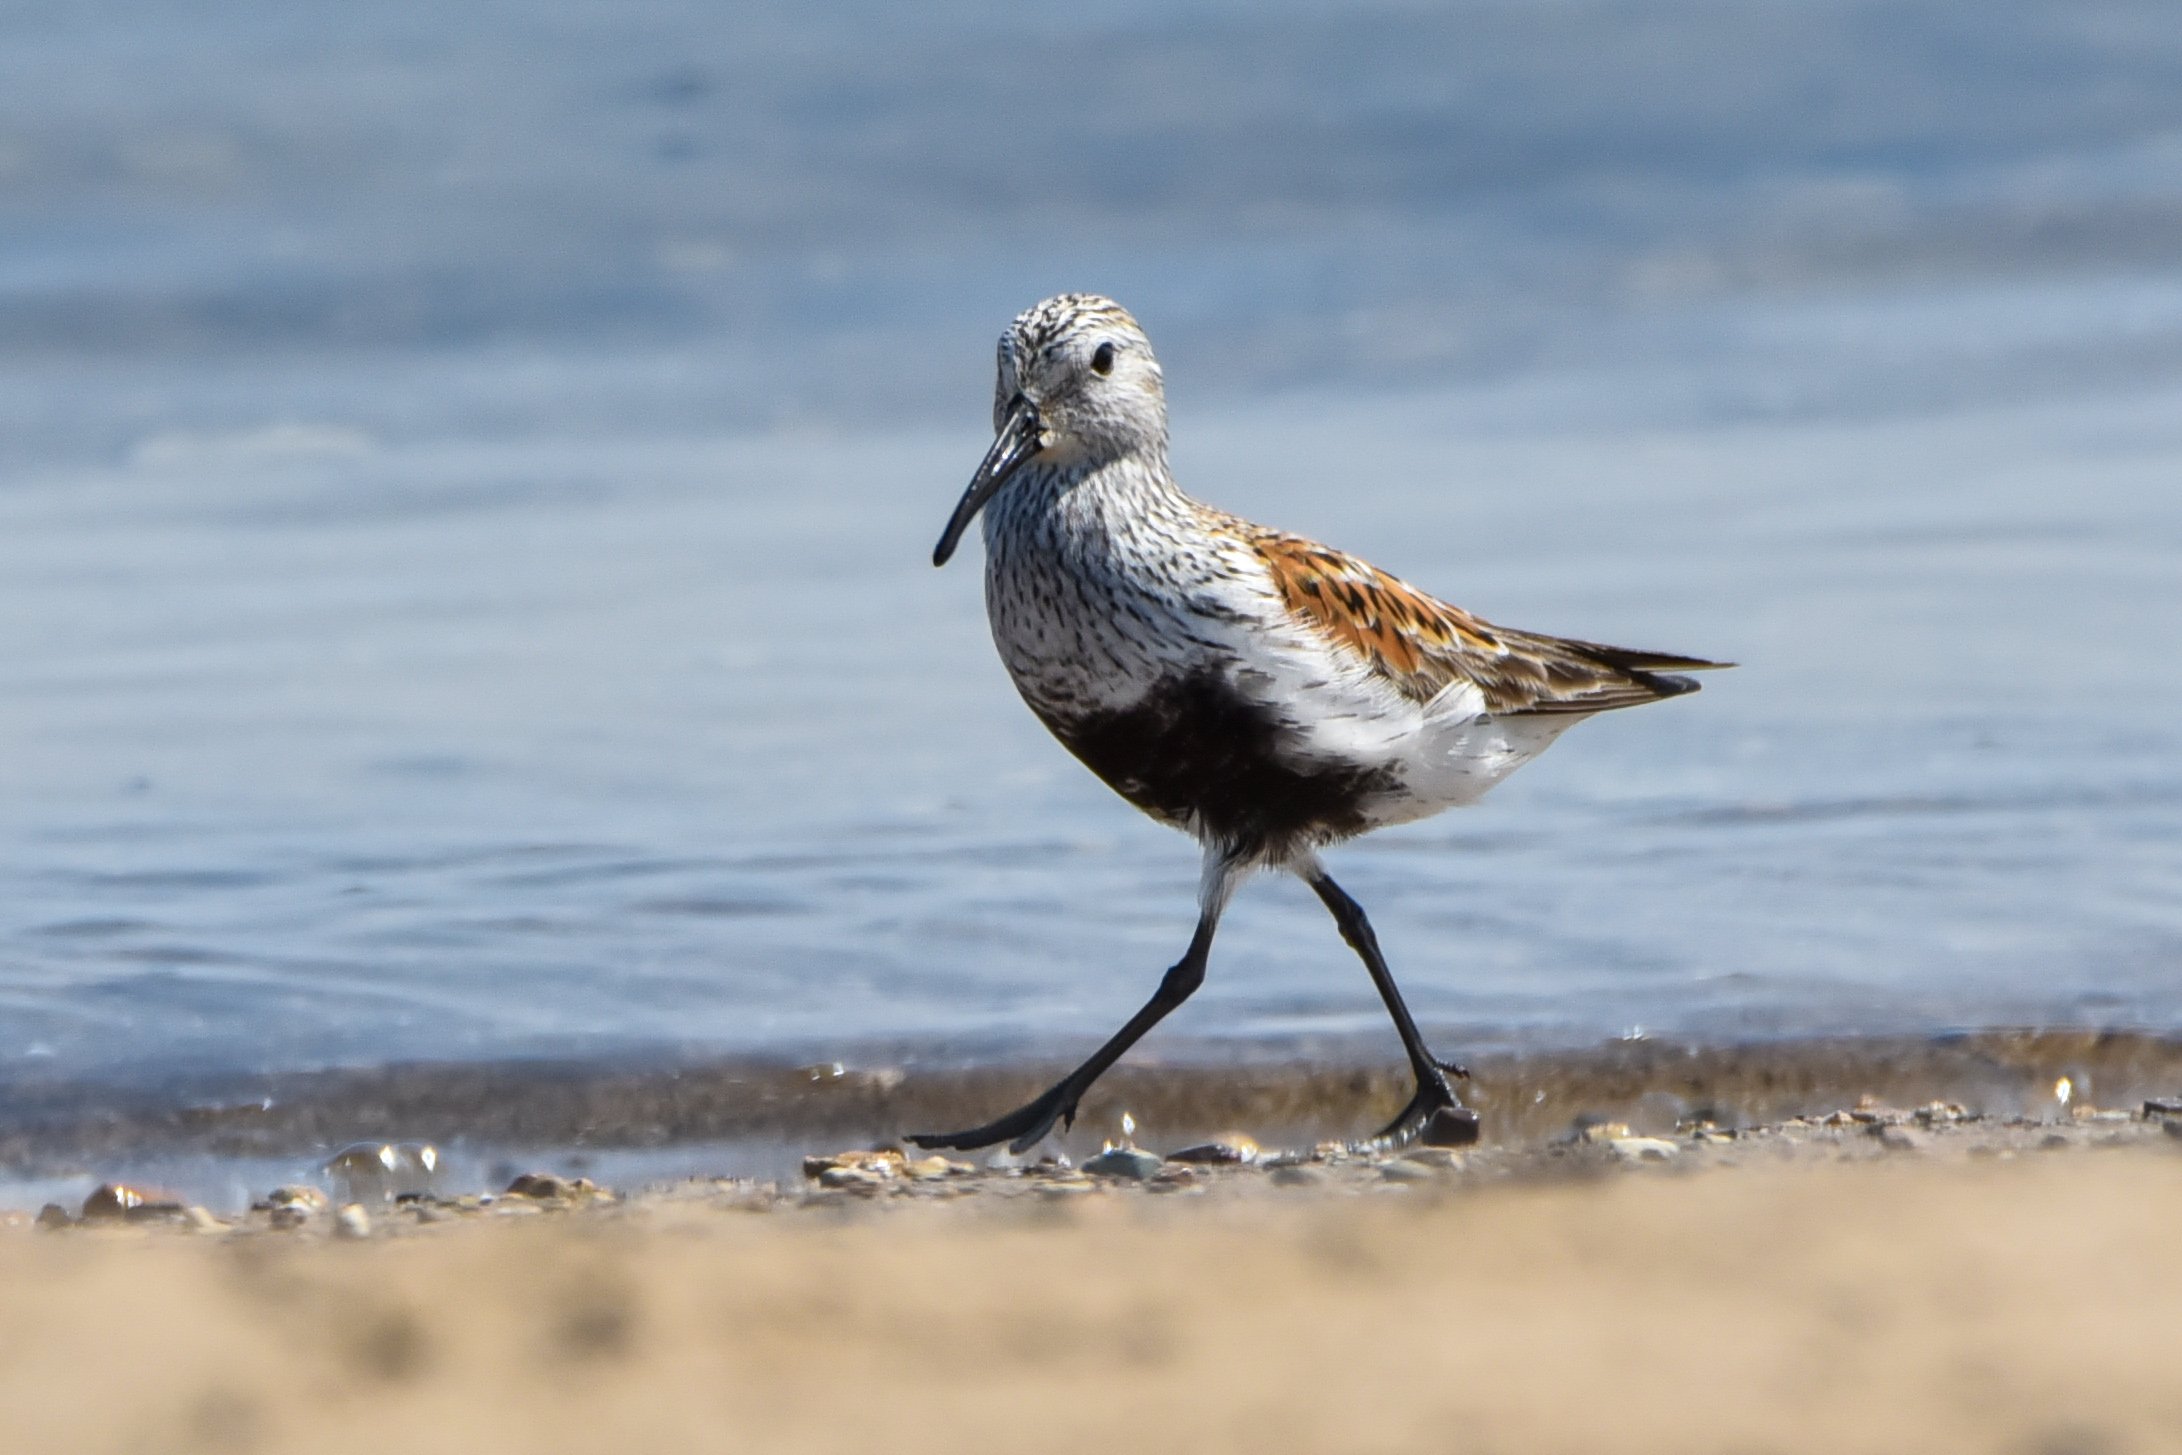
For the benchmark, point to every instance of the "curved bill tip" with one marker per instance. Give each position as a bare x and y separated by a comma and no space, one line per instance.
1018,440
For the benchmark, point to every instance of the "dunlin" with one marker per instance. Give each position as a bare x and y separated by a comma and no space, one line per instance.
1257,690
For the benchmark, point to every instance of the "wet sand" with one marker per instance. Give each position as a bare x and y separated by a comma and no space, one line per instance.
1872,1280
549,1110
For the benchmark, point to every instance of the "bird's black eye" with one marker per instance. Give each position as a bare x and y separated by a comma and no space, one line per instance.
1102,360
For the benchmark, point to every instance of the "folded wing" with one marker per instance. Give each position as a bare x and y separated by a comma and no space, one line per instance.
1422,647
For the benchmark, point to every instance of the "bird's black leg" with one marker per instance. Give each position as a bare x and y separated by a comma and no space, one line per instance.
1023,1127
1435,1113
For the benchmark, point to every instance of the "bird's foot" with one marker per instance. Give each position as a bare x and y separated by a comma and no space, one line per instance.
1435,1116
1021,1129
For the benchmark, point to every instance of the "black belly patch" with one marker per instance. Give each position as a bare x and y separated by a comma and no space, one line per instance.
1198,755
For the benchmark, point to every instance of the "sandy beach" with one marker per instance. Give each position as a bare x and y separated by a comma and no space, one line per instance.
1875,1280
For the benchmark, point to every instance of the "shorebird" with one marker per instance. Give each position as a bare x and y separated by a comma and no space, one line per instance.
1264,693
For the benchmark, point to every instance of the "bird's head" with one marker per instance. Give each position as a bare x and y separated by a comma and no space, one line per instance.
1077,384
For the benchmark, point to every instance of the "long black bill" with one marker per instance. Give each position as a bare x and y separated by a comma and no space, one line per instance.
1017,441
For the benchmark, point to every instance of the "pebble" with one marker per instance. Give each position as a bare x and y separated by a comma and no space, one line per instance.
1644,1149
376,1171
202,1220
1298,1176
1127,1163
110,1200
53,1215
1063,1191
538,1185
1440,1159
857,1179
298,1195
880,1162
1901,1139
934,1168
1586,1131
547,1187
1451,1126
1230,1148
2172,1126
352,1221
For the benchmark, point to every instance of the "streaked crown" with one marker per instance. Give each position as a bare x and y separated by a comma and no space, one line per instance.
1087,366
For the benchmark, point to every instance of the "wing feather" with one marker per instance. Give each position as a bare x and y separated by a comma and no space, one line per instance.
1422,646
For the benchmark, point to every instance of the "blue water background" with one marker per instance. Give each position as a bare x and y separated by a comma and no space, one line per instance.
469,474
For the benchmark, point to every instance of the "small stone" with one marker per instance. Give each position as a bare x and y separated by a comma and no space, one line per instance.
1644,1149
858,1179
1126,1163
1439,1159
880,1162
1934,1113
290,1215
2172,1126
1228,1149
1450,1126
1589,1131
299,1195
542,1186
934,1168
118,1200
376,1171
1298,1176
1896,1138
352,1222
202,1220
53,1215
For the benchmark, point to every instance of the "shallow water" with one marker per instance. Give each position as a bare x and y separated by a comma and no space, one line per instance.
463,585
